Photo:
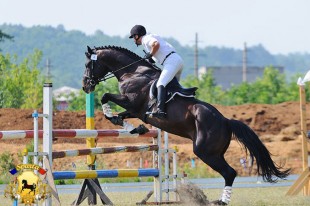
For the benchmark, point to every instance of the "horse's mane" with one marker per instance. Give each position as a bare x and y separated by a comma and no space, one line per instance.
128,52
117,48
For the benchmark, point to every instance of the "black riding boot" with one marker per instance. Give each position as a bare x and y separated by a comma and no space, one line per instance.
161,101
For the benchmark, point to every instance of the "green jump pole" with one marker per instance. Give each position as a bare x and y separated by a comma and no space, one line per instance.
90,124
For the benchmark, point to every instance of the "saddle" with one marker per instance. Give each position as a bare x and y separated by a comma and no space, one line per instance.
173,88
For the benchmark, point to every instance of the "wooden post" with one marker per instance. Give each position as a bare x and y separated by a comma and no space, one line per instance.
304,179
304,132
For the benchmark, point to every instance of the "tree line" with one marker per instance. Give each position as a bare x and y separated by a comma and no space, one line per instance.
21,86
65,51
272,88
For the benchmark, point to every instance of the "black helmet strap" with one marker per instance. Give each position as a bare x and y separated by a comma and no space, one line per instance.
136,38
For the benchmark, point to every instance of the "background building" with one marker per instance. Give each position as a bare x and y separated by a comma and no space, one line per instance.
63,95
226,76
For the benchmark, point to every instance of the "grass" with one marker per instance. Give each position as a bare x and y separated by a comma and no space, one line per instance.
260,196
271,196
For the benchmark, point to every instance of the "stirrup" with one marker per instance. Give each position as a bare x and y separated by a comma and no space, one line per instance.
159,114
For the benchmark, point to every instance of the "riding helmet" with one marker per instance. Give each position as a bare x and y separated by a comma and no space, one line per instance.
137,30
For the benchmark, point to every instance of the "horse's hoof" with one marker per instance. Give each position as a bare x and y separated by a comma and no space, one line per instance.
217,202
141,129
117,120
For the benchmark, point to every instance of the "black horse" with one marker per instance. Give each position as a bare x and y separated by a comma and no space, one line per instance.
191,118
32,187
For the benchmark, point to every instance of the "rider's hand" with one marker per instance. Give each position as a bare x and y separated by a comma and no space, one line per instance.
151,61
148,56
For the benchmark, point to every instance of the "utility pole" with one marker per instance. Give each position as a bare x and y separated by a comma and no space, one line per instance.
196,56
244,64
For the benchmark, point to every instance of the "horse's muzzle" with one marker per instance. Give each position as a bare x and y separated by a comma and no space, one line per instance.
88,89
88,85
85,90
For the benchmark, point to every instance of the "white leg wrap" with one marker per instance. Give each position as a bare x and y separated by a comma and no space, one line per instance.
107,110
226,194
127,126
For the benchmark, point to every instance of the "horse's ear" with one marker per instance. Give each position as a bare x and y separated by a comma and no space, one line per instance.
90,51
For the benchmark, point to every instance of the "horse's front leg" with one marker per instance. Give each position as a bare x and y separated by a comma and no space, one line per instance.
115,119
120,100
123,101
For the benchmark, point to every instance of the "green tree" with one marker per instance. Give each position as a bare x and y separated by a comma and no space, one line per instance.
271,88
21,83
207,89
239,94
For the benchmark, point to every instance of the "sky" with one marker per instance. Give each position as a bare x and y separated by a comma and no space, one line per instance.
281,26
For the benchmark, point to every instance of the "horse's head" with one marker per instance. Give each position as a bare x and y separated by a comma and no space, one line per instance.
105,62
95,70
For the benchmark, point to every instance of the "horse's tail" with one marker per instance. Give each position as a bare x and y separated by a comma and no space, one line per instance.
266,167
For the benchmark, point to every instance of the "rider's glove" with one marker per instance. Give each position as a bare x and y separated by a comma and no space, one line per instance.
151,61
147,56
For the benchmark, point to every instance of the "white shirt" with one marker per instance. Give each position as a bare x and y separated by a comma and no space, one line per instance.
164,49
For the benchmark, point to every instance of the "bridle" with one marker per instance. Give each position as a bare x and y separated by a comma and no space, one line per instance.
94,81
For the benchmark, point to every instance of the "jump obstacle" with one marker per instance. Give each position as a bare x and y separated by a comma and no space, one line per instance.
303,182
73,133
91,184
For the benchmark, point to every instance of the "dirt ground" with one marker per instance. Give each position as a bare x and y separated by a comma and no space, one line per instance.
278,126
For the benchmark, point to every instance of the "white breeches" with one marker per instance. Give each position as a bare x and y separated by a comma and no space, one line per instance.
172,66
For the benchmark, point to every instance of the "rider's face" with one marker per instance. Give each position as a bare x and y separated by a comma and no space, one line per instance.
137,39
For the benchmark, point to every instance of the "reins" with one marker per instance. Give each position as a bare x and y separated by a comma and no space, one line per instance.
111,74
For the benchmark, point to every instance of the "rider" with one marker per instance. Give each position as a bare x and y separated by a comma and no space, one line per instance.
163,53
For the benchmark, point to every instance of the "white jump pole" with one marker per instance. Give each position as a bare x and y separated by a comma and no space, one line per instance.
157,162
35,116
47,128
174,159
47,120
166,151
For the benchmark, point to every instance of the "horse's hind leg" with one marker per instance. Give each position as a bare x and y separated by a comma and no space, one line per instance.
210,145
218,163
221,166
